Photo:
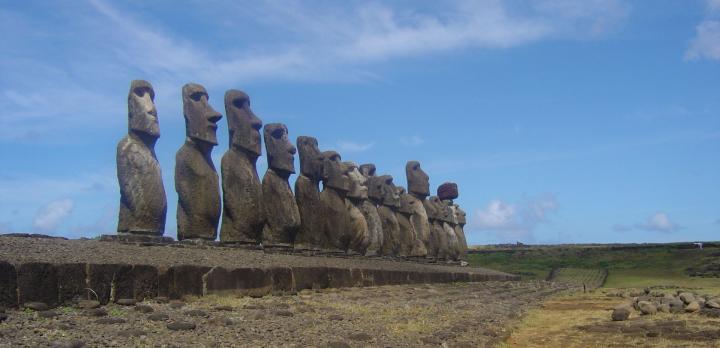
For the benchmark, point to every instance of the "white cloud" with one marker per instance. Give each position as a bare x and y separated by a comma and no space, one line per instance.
513,221
706,43
413,141
350,146
659,222
52,215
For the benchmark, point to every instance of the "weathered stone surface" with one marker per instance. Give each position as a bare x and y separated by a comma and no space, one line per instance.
335,215
126,301
621,313
282,280
243,218
88,304
143,205
310,236
459,230
647,308
253,282
71,281
281,210
310,278
359,235
36,306
37,282
447,191
391,228
686,297
693,306
187,280
410,244
369,209
340,278
181,326
196,180
438,237
418,190
8,285
219,281
100,279
145,281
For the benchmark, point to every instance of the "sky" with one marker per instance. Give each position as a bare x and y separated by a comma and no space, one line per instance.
561,121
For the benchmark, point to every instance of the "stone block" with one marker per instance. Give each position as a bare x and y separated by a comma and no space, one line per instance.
219,280
145,282
71,281
8,285
187,280
37,282
282,280
310,278
254,282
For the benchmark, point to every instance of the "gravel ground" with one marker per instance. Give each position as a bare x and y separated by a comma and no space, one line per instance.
457,315
23,249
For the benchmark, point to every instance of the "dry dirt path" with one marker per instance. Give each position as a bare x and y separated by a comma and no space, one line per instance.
425,315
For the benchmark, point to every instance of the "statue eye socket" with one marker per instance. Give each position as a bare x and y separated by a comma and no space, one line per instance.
140,92
197,96
239,103
278,133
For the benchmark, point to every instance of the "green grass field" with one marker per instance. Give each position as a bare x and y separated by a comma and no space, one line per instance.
663,265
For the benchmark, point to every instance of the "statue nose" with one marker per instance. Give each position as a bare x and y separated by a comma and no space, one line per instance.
292,150
215,117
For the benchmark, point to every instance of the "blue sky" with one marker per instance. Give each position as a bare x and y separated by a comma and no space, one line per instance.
561,121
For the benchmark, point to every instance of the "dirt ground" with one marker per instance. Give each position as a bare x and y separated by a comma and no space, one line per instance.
427,315
583,320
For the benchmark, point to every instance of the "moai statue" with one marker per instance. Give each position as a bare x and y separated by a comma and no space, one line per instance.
448,223
418,189
282,218
389,205
406,236
447,192
438,236
196,181
336,185
369,209
311,236
358,193
460,231
143,205
243,218
411,245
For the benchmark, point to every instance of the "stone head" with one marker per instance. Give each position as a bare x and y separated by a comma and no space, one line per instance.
243,125
461,218
433,207
200,118
367,169
142,114
447,191
375,188
280,152
358,188
450,212
390,195
311,159
418,181
334,173
406,202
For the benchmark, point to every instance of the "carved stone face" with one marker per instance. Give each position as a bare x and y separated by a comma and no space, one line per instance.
461,218
334,175
418,181
450,212
375,188
243,125
142,114
311,159
433,208
390,195
200,118
406,202
367,169
280,152
357,182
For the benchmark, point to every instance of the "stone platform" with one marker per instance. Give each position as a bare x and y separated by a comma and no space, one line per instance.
56,271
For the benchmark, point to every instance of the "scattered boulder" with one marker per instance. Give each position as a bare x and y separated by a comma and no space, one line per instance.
158,317
110,320
693,306
36,306
126,302
144,308
88,304
687,297
664,308
175,304
48,314
676,306
621,313
96,312
181,325
647,308
162,299
67,344
224,308
196,313
3,317
712,304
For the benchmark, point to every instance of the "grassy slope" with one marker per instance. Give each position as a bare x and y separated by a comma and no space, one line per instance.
664,265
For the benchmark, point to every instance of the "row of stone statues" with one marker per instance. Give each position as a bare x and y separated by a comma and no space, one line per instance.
356,212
